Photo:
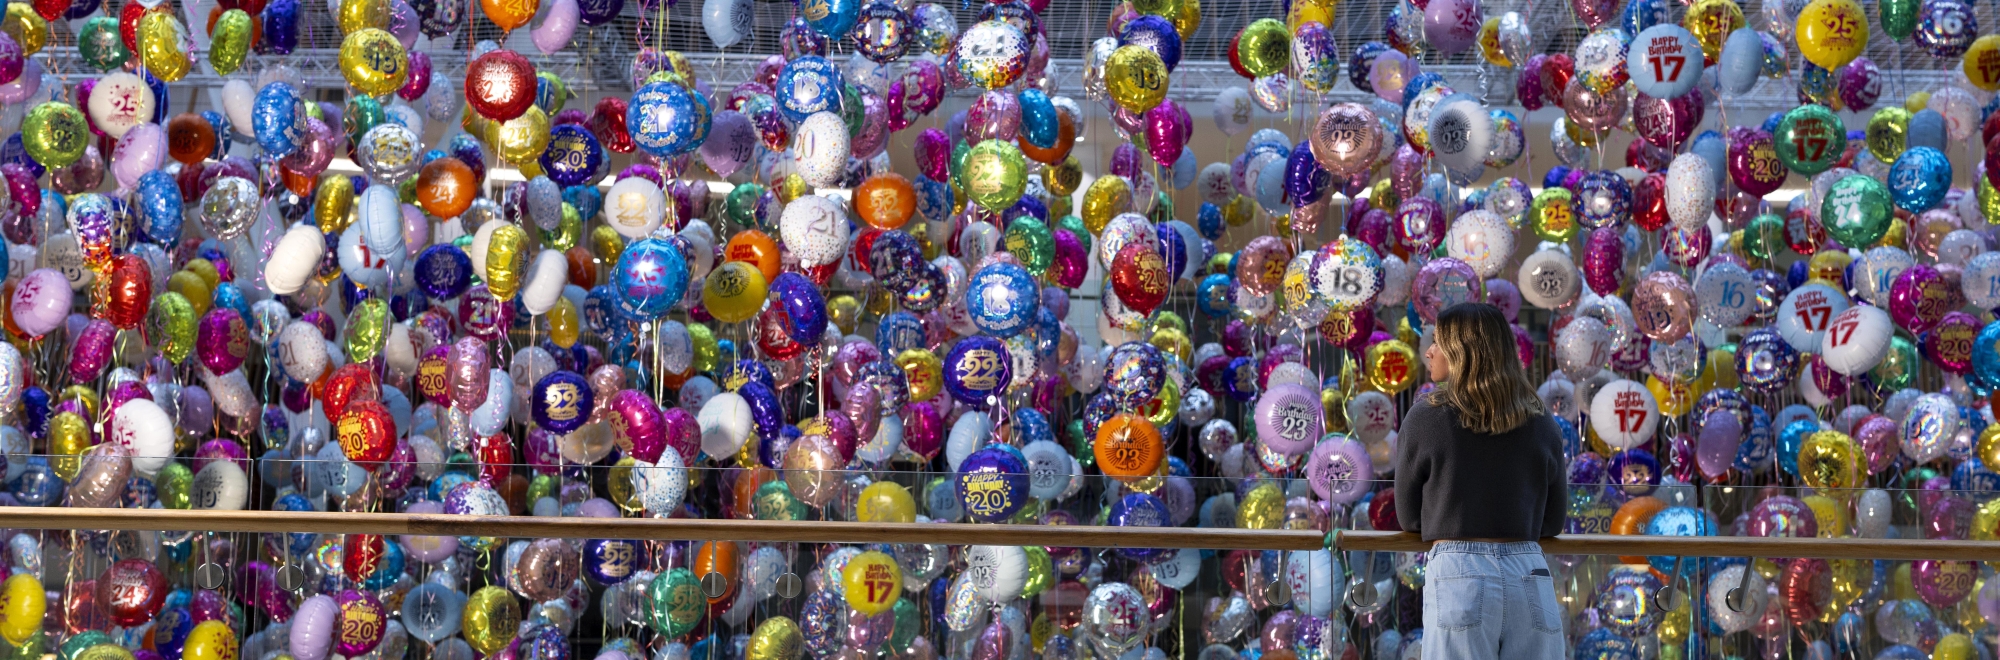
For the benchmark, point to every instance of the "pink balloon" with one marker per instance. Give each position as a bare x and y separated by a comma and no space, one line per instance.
419,80
469,372
1125,156
310,159
1603,260
995,115
557,27
1594,13
428,549
25,85
1452,25
1166,133
863,407
640,428
138,152
923,429
933,151
1666,123
221,340
90,351
683,433
874,135
41,301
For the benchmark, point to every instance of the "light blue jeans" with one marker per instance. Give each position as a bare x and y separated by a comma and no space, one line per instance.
1490,601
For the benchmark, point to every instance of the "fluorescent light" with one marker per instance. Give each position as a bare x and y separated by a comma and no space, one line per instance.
1784,195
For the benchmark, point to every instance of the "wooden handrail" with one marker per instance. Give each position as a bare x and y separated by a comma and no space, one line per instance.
1709,546
812,531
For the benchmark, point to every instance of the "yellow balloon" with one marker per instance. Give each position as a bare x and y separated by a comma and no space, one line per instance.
872,582
163,45
1982,63
1831,514
1900,585
1041,571
1135,78
563,326
109,651
1063,179
1955,646
1851,578
885,502
1831,33
1240,211
230,43
1107,197
777,638
1711,21
1917,101
1307,12
1392,366
1263,507
734,292
1675,399
1828,266
506,255
358,15
1899,231
333,203
1160,410
1489,44
1173,341
192,287
69,438
845,312
1189,18
490,620
792,187
210,640
1830,459
26,27
522,139
606,245
925,373
21,615
373,61
707,352
1986,521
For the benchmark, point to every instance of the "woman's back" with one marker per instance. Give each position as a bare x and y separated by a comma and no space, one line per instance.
1454,483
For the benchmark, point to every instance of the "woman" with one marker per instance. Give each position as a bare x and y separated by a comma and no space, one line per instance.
1480,473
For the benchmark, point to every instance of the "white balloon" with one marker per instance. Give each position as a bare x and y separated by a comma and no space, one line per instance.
1481,240
997,572
1807,312
1856,340
1871,514
1624,414
1690,191
727,21
491,415
1310,574
1753,599
302,351
1723,294
661,485
1548,279
820,149
1461,135
221,485
967,435
814,228
1048,469
1373,415
1214,185
381,220
1875,273
483,236
725,424
231,392
295,259
634,207
1980,281
400,351
1665,61
145,430
121,101
1232,110
546,279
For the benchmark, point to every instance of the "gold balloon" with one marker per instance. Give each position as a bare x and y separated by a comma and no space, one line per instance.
1898,232
845,311
491,619
1986,521
606,245
1830,460
1263,507
1239,211
1917,101
1831,514
333,203
106,651
618,484
1851,578
924,371
1188,19
1063,179
563,325
506,255
230,43
1174,341
1955,646
27,27
567,231
1135,78
707,352
1888,133
1107,197
1333,407
163,45
373,61
69,438
1989,201
522,139
1674,627
885,502
1392,366
792,187
1711,21
777,638
358,15
1828,266
1163,406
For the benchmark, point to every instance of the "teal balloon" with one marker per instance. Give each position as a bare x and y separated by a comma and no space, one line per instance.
1919,179
1810,139
1857,211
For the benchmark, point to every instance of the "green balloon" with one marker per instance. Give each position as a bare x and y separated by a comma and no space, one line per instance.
552,92
1764,237
175,486
1163,208
1888,132
995,174
1898,368
959,151
55,134
100,45
851,111
1810,139
78,642
740,206
1898,17
170,322
363,113
33,649
675,602
775,501
909,623
1857,211
1031,241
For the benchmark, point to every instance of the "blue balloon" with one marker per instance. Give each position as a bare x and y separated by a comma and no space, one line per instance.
278,118
1919,179
1710,147
1155,34
432,611
1679,521
171,628
977,369
1642,14
587,200
1039,123
651,276
747,371
1602,644
1208,219
443,271
1184,169
1214,296
764,408
1028,206
1986,356
1139,510
599,12
573,156
1926,129
467,149
1173,248
1305,181
832,18
1555,177
806,85
1030,425
1002,299
15,152
228,294
159,208
899,331
934,199
389,570
79,9
1363,62
662,119
804,307
992,483
610,561
219,123
38,485
34,411
281,27
561,401
160,100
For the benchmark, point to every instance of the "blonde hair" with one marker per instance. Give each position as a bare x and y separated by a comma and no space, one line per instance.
1487,384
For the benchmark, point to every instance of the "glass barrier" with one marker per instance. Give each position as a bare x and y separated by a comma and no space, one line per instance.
312,596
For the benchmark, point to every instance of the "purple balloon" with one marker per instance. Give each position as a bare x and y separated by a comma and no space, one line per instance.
90,352
731,143
643,431
1166,132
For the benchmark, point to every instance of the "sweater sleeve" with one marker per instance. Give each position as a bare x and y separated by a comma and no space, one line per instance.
1411,471
1556,512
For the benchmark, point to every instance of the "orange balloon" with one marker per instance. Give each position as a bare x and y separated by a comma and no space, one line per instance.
510,14
445,188
1128,447
755,248
1631,519
717,557
885,201
189,138
582,266
747,483
1065,140
299,183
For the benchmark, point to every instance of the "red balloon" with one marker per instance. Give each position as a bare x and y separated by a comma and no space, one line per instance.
367,433
1139,277
772,336
131,591
1556,72
1806,588
1649,202
80,611
608,124
346,385
500,85
126,292
361,555
496,457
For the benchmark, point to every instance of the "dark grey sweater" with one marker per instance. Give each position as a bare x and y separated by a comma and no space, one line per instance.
1452,483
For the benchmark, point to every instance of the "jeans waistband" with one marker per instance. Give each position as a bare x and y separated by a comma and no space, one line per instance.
1483,548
